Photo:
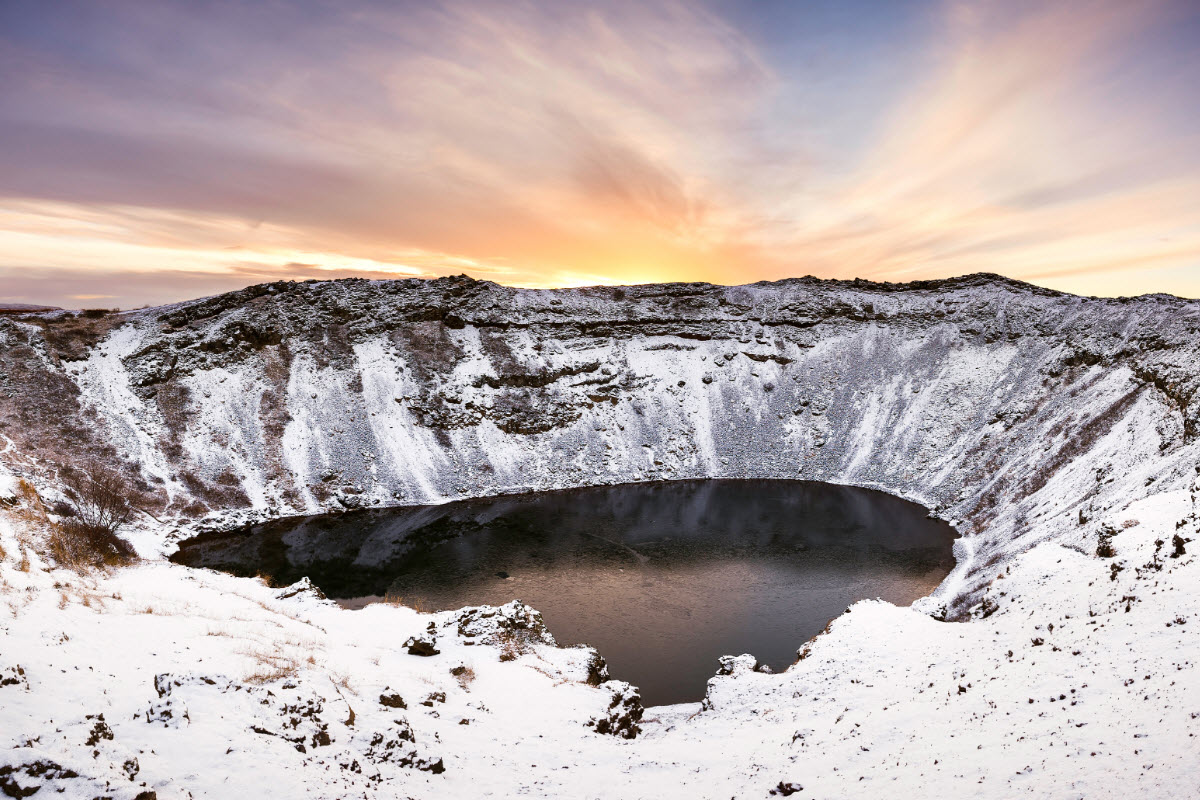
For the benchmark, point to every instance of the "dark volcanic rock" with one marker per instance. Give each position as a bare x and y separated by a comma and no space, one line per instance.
623,714
418,646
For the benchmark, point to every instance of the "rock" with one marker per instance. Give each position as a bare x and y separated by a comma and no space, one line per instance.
435,697
391,699
349,501
597,669
421,646
301,588
285,710
985,609
392,745
9,494
738,665
25,780
1178,543
99,731
14,676
624,711
435,767
169,711
513,627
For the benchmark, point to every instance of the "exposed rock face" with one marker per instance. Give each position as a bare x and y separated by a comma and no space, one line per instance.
24,780
623,714
391,699
418,646
977,396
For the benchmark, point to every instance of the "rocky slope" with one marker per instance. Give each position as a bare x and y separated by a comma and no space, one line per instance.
978,396
1038,422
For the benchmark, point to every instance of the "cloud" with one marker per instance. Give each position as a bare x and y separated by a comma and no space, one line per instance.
477,128
553,144
1032,149
532,141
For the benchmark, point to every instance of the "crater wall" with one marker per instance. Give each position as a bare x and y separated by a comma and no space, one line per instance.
1017,413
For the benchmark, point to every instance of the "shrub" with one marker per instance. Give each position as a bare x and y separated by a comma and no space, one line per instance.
98,497
97,507
79,546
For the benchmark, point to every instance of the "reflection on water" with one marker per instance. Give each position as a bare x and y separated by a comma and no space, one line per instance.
660,578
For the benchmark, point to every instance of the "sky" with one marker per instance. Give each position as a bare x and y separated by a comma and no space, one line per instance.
154,152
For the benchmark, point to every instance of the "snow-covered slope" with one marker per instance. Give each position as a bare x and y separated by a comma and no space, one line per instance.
1028,418
1013,411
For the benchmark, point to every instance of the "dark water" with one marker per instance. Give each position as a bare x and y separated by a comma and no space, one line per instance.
660,578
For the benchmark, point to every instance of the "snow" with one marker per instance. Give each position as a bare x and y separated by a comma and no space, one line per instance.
1070,675
874,707
8,486
104,379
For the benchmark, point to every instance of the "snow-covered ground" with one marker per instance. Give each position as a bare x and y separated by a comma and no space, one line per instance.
1081,683
1032,420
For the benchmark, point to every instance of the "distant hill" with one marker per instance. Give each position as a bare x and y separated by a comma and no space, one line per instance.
24,308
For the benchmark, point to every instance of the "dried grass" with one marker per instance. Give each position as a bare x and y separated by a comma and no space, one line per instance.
30,507
80,547
512,645
465,676
390,599
271,666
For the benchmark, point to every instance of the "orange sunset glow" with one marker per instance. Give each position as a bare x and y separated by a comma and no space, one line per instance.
154,153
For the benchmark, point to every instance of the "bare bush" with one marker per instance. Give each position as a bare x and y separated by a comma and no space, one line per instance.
99,498
97,507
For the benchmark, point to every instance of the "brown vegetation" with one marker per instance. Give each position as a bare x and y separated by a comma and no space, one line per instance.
465,675
69,337
271,665
97,507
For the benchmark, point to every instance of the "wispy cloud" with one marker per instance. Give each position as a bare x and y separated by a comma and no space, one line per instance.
1026,153
555,144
